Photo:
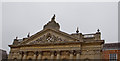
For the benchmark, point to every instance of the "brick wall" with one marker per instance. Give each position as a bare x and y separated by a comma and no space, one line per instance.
105,53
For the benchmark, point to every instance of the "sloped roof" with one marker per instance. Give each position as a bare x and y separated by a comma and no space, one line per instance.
111,46
60,32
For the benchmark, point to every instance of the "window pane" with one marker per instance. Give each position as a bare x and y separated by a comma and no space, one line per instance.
113,57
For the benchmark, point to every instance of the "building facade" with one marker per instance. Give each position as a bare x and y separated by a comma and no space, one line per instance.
3,55
111,52
51,43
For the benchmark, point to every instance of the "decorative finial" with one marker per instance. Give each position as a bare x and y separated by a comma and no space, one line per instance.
16,37
28,34
52,24
77,31
98,30
53,18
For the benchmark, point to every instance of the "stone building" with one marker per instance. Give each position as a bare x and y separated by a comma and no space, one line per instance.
51,43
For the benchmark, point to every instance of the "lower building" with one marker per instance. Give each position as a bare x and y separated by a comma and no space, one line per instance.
111,52
3,55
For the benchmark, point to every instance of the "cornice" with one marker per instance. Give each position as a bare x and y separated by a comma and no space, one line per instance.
46,44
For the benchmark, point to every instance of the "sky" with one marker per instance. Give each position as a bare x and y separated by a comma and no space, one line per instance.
18,19
118,21
0,29
60,0
0,25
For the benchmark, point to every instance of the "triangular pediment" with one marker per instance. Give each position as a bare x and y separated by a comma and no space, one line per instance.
49,36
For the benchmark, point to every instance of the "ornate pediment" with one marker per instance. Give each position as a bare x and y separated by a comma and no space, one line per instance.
48,38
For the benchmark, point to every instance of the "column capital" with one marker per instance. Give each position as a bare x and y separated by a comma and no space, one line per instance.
52,52
25,52
20,52
39,52
78,51
36,52
72,51
58,52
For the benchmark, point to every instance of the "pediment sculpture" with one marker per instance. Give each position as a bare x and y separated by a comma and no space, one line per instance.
48,38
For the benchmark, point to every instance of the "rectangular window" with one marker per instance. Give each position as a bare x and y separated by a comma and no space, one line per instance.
113,57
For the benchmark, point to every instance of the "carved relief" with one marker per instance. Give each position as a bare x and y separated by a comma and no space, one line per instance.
48,39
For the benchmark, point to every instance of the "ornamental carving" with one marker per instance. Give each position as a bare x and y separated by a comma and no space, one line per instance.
48,38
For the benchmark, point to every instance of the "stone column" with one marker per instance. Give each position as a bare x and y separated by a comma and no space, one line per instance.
52,54
39,55
78,54
25,56
35,55
71,54
58,55
20,56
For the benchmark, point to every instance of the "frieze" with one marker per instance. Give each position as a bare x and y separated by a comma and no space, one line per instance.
70,46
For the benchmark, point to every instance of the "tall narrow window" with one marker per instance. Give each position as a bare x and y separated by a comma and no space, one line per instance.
113,57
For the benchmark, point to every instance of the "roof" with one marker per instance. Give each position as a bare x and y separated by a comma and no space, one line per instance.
19,40
63,33
3,54
111,46
55,27
2,50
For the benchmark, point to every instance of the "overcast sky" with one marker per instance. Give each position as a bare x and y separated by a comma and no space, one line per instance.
22,18
0,25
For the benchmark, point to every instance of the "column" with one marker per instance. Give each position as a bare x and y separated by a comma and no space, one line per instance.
20,56
52,54
71,54
78,54
39,56
34,56
58,55
25,56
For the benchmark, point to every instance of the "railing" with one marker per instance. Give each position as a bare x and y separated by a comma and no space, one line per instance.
89,35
